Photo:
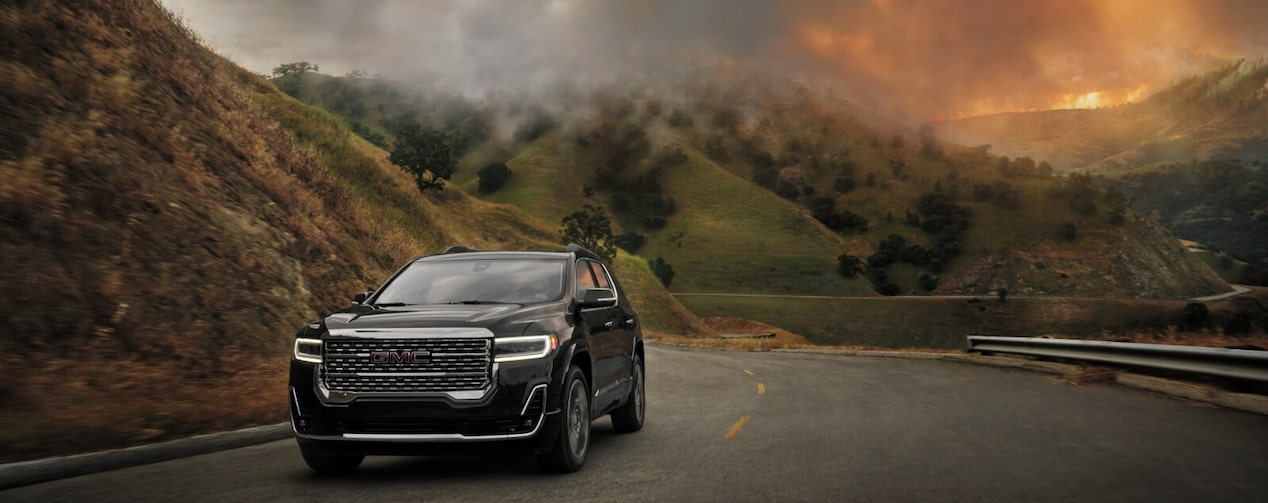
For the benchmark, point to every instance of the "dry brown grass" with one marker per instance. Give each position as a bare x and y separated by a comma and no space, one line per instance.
1092,375
68,406
783,339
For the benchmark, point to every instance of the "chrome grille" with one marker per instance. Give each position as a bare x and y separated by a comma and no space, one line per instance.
456,364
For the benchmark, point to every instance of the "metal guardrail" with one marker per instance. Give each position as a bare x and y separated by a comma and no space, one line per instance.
1235,363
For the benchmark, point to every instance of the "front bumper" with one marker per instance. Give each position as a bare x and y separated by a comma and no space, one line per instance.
519,411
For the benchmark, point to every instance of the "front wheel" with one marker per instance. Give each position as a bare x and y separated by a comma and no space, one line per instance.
629,418
573,441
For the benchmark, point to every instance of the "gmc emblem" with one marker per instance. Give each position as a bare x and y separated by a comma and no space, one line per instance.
420,356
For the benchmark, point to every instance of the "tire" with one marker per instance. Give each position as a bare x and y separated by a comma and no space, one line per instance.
573,441
629,418
332,465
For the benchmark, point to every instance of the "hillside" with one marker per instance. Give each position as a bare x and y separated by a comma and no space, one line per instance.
753,184
1220,204
168,221
1219,115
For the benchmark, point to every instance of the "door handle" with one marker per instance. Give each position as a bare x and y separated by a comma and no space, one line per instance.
630,322
609,325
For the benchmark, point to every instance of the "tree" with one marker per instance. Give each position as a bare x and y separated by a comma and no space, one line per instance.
630,241
1044,169
663,271
843,184
424,154
493,176
289,68
897,142
680,119
1002,292
849,265
927,281
787,190
929,143
591,229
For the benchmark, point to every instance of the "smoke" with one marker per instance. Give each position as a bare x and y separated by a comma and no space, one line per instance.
925,58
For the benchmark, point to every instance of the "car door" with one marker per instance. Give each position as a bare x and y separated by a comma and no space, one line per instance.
599,332
622,335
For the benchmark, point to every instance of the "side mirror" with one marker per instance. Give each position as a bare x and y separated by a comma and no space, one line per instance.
597,297
359,298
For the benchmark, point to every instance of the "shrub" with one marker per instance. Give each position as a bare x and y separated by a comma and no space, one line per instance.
849,265
927,282
1069,232
493,176
1195,316
663,271
630,241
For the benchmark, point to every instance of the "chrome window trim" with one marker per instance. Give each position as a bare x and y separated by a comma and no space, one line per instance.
616,296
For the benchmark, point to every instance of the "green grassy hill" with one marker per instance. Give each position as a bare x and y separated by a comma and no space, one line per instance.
1220,204
730,179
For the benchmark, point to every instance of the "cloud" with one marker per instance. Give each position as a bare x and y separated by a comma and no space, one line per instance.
924,57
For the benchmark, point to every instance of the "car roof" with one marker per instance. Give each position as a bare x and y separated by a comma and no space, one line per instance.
465,253
496,255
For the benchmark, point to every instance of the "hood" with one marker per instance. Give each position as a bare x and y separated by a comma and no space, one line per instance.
502,319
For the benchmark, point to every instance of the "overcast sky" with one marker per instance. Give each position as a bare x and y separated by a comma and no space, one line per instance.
929,57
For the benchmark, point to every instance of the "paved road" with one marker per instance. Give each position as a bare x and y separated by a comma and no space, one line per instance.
1237,290
819,428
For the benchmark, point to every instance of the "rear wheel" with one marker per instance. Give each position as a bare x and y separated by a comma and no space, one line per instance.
573,442
629,418
332,465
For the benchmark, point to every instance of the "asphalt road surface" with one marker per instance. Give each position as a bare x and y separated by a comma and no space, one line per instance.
733,426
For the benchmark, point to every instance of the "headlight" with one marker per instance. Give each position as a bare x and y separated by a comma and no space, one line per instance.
514,349
308,350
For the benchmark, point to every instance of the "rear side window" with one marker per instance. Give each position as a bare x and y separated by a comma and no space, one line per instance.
601,275
585,278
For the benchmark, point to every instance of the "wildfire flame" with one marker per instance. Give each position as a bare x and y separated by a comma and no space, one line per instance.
1099,99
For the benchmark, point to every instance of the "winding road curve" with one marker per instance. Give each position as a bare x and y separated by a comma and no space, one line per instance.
733,426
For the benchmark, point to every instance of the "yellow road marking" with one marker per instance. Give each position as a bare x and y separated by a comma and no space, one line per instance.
761,389
735,430
749,372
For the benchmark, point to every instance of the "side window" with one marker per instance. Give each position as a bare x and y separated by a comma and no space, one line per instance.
585,279
601,274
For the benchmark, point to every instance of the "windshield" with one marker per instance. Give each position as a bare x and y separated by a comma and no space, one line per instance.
497,281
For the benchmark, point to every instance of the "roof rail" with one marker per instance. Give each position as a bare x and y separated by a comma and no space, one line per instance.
576,248
458,249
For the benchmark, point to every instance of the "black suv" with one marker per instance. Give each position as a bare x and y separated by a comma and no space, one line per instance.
470,351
